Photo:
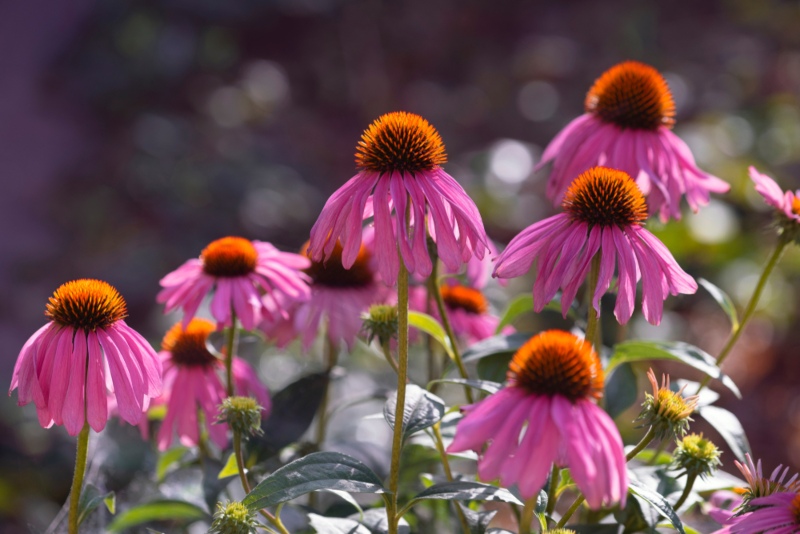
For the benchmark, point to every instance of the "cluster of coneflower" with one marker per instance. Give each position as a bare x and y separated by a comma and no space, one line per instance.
402,235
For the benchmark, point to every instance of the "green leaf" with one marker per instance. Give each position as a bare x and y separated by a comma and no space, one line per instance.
336,525
477,522
686,528
518,306
348,498
658,503
167,459
316,471
723,300
161,510
621,390
432,327
494,368
91,498
487,386
495,345
375,520
465,491
729,428
230,469
637,350
422,409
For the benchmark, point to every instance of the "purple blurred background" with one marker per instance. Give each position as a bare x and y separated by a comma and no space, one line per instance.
134,133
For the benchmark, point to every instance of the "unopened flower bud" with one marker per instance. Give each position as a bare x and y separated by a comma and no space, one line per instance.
381,322
667,411
243,414
697,456
233,518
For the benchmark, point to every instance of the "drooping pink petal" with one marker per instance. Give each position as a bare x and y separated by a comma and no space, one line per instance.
74,404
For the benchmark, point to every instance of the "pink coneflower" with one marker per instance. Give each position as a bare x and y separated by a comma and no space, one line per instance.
64,367
467,309
192,384
722,505
552,380
237,271
399,158
761,486
339,297
787,203
603,214
778,513
629,113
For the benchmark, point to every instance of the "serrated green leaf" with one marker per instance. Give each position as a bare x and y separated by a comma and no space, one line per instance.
161,510
621,390
422,409
464,491
375,520
723,300
658,503
316,471
729,427
477,522
336,525
348,498
487,386
432,327
91,498
697,358
518,306
230,469
167,459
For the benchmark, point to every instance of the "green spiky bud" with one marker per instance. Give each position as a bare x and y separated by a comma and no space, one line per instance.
233,518
381,322
697,456
667,411
243,414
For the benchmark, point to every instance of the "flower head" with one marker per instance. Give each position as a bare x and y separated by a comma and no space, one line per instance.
238,272
401,184
629,113
234,518
381,322
338,298
667,411
193,385
696,456
63,368
552,381
778,513
786,204
761,486
243,414
603,214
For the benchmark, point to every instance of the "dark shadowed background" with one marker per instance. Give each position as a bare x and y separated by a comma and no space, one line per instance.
133,133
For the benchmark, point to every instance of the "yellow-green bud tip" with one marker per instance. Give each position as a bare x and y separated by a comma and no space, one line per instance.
243,414
233,518
696,455
667,411
380,322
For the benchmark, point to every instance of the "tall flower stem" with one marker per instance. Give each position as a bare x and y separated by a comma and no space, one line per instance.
237,451
527,515
77,479
551,492
437,434
387,353
331,358
687,489
751,304
645,441
230,349
402,375
593,333
433,289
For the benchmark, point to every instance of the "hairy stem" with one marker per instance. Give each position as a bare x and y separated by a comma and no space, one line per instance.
551,492
229,352
527,515
751,305
237,451
402,376
77,479
387,353
437,295
687,489
437,434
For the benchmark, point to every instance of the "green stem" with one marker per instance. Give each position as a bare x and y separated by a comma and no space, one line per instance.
430,288
77,479
229,351
437,433
237,451
387,353
437,295
645,441
402,376
593,333
751,305
658,451
687,489
551,493
331,357
527,515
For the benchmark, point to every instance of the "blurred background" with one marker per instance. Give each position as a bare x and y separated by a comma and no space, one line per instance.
133,133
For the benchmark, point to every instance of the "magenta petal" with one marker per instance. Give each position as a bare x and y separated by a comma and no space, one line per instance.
74,405
96,403
130,407
60,377
627,276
